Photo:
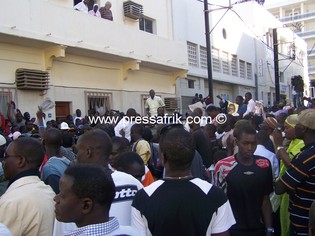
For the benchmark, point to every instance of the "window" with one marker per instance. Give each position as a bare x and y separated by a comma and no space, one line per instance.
100,102
191,83
216,60
146,25
249,71
225,63
234,65
269,39
192,54
5,98
242,69
203,57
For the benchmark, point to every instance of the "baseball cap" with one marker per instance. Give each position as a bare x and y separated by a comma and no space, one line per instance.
15,135
272,122
64,126
307,118
2,140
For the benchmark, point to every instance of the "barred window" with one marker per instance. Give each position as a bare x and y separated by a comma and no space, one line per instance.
192,54
100,102
225,63
234,65
216,60
242,69
203,57
5,98
249,70
191,83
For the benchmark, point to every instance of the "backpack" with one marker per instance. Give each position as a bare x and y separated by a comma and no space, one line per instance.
155,164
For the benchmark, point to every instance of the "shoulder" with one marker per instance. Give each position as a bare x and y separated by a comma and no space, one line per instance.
149,190
127,230
262,162
123,179
226,162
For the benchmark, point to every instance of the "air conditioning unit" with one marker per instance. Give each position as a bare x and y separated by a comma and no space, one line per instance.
171,103
132,10
27,79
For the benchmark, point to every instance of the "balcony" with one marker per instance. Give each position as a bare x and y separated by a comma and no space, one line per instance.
44,25
298,17
311,52
311,70
306,34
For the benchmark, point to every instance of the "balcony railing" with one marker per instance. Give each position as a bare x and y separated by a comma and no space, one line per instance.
311,52
299,17
306,34
311,70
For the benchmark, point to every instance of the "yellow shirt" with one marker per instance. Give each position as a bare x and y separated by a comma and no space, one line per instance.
27,207
154,104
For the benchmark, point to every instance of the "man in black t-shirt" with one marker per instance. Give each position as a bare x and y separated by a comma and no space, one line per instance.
180,204
247,181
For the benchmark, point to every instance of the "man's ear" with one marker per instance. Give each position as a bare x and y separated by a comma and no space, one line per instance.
87,205
162,157
236,141
21,161
88,152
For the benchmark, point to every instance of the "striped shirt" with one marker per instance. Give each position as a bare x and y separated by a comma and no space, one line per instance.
300,177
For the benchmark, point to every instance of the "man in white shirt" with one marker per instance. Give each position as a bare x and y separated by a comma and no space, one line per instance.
122,129
262,138
250,104
82,6
153,103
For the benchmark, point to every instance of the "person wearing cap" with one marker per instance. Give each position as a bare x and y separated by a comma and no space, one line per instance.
299,178
95,11
285,155
269,125
64,126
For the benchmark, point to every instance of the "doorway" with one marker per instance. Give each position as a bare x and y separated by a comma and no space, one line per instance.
62,110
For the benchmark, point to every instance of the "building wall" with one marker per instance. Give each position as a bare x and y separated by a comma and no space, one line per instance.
88,54
245,35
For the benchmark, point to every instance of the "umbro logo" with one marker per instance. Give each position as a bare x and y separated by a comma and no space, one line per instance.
248,173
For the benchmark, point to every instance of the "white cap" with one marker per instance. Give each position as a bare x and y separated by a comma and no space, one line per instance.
15,135
2,140
64,126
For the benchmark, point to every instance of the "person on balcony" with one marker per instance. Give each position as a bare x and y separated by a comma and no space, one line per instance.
105,11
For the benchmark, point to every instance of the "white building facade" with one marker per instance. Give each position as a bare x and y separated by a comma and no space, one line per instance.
299,16
85,62
242,51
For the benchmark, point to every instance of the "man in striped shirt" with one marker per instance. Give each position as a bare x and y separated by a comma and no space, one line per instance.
299,179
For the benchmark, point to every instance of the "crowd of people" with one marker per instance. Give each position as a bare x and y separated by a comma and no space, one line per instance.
89,7
236,169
